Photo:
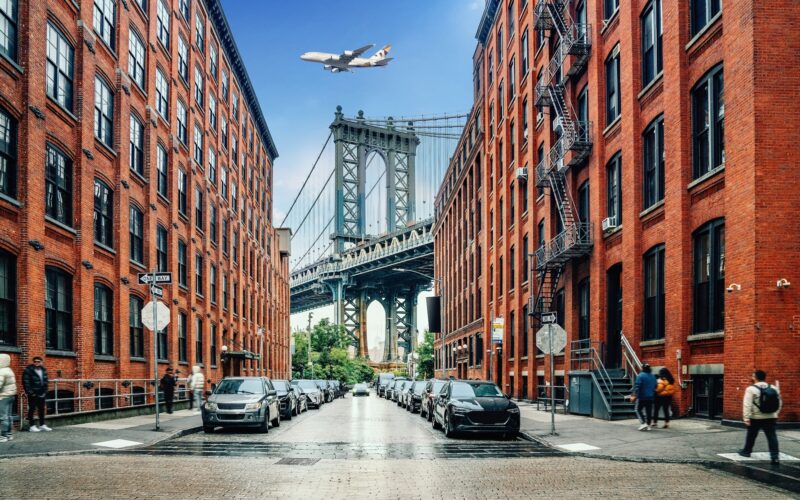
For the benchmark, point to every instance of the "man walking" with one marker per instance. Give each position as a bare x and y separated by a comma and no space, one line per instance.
8,390
167,386
762,403
643,393
197,383
34,381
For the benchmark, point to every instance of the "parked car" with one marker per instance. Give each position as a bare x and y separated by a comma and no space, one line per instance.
394,388
302,400
338,389
398,390
327,390
416,394
475,406
382,383
402,399
286,398
312,392
360,390
241,402
432,389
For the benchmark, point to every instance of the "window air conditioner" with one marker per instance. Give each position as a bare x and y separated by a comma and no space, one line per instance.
609,223
522,174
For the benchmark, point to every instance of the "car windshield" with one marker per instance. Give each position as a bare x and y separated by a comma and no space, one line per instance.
437,386
240,386
281,385
419,388
308,385
474,390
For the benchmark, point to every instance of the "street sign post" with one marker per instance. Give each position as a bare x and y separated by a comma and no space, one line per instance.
155,316
157,291
551,339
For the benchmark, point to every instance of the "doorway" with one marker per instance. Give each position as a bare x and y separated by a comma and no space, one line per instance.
613,354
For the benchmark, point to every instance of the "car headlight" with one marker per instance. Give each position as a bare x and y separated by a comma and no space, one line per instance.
513,410
457,410
211,406
252,406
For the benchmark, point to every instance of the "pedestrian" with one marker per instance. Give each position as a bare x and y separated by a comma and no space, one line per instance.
197,384
644,390
665,388
8,390
167,386
762,403
35,383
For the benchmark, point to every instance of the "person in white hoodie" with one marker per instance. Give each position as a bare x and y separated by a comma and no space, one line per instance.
8,390
197,383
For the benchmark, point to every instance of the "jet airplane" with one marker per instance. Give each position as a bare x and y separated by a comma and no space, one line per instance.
349,59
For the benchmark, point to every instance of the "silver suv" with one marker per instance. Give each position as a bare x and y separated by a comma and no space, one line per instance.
242,402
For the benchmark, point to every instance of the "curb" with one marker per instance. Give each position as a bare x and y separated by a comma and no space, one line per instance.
173,435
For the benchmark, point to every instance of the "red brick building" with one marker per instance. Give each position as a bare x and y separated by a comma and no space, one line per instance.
691,245
133,140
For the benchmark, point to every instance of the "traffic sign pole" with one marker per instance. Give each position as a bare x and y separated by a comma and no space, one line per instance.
552,383
155,345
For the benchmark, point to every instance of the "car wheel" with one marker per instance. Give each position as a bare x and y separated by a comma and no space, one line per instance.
277,421
208,429
435,423
448,429
264,427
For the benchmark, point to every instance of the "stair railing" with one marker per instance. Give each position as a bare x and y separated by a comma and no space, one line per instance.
632,363
586,356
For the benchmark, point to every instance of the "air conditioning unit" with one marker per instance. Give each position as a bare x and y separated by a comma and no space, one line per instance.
559,164
609,223
557,125
522,174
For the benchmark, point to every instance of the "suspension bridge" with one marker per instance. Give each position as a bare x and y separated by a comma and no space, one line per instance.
362,226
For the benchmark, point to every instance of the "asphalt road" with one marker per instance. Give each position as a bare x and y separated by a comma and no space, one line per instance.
359,448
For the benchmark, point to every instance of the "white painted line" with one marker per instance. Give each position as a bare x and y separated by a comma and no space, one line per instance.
117,444
109,425
577,447
761,456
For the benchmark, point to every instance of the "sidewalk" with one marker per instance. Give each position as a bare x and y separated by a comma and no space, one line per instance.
101,436
686,440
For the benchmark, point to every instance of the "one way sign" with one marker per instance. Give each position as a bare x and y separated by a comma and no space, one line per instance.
157,278
548,318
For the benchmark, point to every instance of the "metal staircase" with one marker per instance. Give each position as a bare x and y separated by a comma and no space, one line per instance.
612,386
573,146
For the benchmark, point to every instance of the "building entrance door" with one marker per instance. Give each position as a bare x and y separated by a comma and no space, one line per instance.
613,354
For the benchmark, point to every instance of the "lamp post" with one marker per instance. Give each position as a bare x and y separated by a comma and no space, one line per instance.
260,333
308,349
440,282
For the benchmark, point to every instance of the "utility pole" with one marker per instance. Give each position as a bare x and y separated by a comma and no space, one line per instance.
310,315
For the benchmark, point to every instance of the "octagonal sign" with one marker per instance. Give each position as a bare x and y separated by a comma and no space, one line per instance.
558,341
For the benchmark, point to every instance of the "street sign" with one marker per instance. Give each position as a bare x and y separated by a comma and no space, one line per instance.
158,278
548,318
554,332
497,330
153,310
157,291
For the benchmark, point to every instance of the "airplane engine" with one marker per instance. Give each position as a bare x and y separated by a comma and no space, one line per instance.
335,70
327,67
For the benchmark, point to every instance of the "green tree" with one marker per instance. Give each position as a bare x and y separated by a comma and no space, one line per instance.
425,352
329,353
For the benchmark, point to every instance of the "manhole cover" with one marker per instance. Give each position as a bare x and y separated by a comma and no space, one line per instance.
297,461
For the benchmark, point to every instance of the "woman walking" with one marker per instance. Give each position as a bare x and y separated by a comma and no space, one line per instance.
665,388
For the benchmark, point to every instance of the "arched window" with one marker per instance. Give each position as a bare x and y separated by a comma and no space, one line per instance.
103,320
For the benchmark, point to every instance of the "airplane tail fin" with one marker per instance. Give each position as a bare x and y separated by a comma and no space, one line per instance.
381,54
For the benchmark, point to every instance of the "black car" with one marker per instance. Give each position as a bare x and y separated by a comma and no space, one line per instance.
416,394
326,389
286,398
381,385
394,389
475,406
432,389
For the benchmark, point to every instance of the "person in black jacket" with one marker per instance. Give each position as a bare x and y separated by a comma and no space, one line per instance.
167,386
34,381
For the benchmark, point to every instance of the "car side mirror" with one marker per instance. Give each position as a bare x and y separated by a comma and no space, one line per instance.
272,392
208,393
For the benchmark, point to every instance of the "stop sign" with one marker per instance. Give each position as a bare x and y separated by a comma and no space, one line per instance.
149,314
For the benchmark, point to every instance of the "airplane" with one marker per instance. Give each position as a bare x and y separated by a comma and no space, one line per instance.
349,59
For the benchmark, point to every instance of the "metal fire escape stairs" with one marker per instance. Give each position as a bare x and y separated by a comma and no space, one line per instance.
571,149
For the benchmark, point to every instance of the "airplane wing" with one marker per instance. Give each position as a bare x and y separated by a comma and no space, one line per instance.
349,55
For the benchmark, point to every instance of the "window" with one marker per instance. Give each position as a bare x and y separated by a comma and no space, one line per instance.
558,305
511,205
162,94
198,208
161,248
213,335
613,101
510,21
182,270
58,186
583,202
142,5
8,153
654,294
212,166
709,276
182,336
499,47
523,195
702,12
525,120
223,131
198,86
198,340
511,79
540,233
235,293
490,67
103,326
182,192
58,309
198,274
614,188
523,333
610,8
212,60
524,60
512,269
512,333
653,152
183,59
104,20
234,149
235,246
136,159
225,291
235,106
199,32
583,309
212,283
651,42
182,134
224,85
525,260
8,28
540,161
136,328
224,235
708,123
500,272
184,7
198,144
136,224
103,214
60,67
162,23
161,167
137,59
8,299
103,112
212,111
234,204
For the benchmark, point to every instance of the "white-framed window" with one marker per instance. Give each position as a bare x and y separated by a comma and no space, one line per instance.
162,94
162,23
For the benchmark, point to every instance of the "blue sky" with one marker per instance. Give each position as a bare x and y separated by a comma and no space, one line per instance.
432,42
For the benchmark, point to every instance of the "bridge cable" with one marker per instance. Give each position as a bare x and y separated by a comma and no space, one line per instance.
307,177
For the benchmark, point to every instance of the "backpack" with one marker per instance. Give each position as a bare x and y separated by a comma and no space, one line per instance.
769,399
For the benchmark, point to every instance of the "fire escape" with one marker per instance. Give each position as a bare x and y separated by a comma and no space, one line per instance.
572,146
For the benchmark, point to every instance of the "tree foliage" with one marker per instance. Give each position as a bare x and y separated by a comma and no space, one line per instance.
425,352
329,345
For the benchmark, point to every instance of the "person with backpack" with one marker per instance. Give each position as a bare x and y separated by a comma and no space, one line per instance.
644,390
762,403
665,388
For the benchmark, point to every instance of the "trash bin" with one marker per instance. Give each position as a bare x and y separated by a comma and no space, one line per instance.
580,393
